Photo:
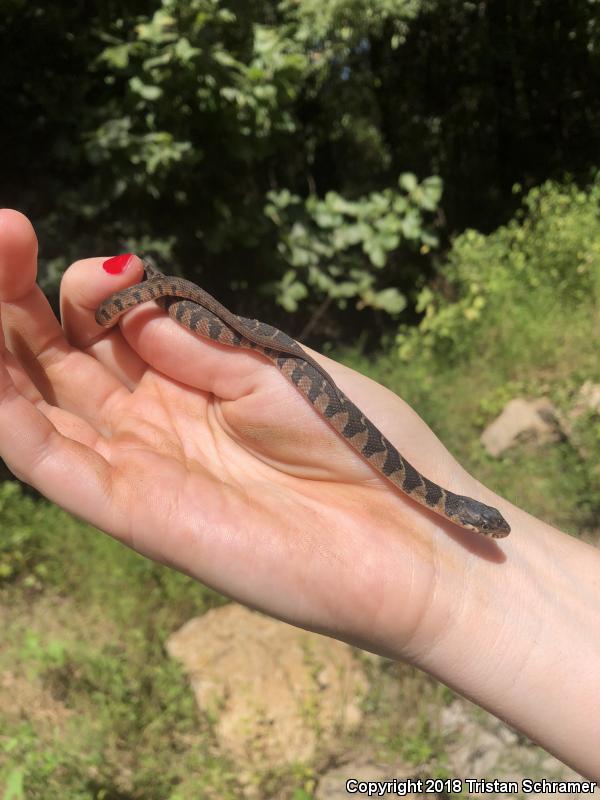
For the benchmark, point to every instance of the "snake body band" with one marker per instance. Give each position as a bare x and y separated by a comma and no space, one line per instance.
196,310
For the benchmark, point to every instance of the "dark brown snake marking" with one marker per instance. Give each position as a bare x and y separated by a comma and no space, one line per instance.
196,310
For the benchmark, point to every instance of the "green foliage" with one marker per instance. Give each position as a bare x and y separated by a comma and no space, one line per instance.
44,549
403,714
14,785
585,436
338,25
135,733
163,127
19,551
128,724
184,74
335,246
536,267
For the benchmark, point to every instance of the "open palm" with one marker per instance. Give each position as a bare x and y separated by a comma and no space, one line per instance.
207,459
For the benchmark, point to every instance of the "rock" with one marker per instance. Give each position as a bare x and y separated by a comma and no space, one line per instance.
484,746
479,750
521,419
588,399
278,694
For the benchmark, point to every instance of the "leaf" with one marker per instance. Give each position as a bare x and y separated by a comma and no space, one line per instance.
157,61
225,59
344,289
375,252
429,239
326,219
400,205
336,203
411,225
301,794
231,93
145,90
290,294
388,224
117,56
408,182
431,189
184,50
14,786
348,235
389,241
390,300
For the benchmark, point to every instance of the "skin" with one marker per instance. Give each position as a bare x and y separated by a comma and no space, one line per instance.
206,459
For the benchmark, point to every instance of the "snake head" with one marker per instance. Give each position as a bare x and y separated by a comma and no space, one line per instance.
486,520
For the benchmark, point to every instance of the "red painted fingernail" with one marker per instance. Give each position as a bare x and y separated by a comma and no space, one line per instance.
117,264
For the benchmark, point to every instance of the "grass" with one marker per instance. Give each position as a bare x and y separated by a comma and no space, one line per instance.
95,708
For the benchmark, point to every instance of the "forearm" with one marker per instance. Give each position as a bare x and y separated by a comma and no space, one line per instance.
524,641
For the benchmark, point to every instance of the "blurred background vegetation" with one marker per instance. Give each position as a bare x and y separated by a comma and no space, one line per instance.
292,151
424,172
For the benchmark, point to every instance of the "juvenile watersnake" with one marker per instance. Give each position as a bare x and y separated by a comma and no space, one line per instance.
196,310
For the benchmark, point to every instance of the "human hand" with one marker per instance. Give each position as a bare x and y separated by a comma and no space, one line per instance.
207,459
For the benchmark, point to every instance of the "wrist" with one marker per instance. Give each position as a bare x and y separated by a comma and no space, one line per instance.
519,634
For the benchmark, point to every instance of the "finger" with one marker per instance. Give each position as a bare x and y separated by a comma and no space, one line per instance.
18,255
65,471
146,335
228,373
18,268
83,287
64,376
66,423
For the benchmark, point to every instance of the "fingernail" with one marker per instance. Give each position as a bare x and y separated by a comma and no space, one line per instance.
117,264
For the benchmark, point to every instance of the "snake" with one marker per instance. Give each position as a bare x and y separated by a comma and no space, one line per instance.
199,312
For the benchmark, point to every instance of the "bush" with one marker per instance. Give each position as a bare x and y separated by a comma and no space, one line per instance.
335,246
544,261
21,518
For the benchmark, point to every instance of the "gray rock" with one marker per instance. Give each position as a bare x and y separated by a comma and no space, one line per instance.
532,420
